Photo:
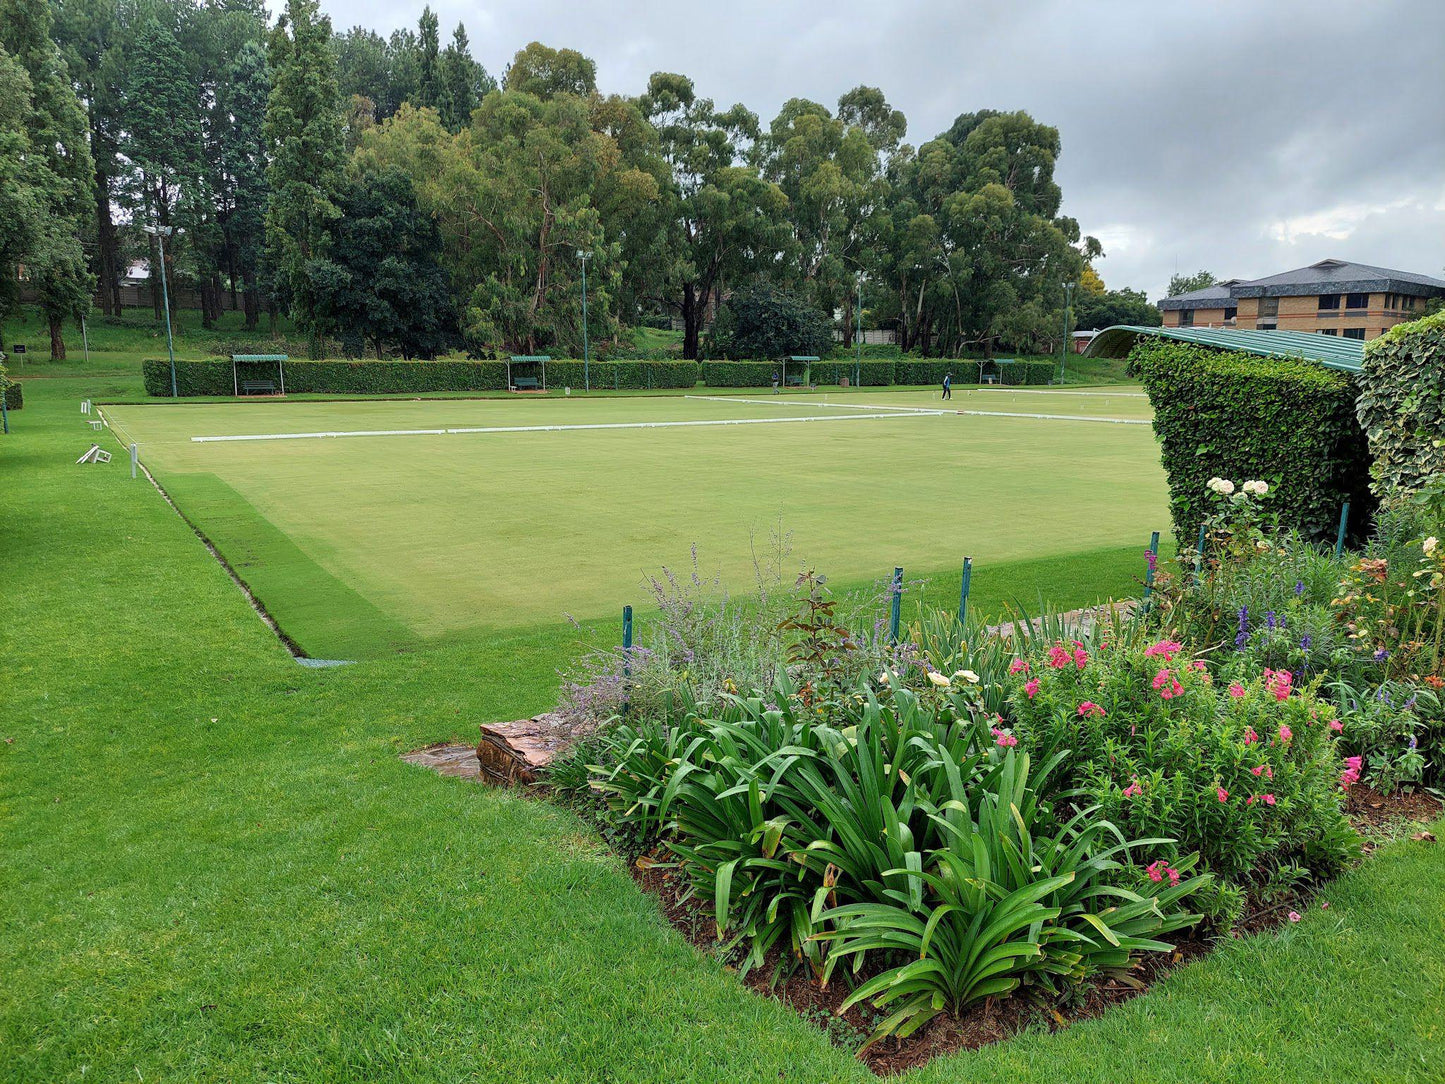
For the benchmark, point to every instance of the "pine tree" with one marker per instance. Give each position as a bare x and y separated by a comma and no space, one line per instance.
59,166
304,132
428,90
22,210
457,74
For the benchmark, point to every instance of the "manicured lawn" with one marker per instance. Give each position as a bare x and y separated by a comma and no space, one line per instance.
363,544
216,869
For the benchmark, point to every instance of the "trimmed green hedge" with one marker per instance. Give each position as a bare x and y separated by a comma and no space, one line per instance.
1239,416
965,371
213,377
14,397
1402,404
876,373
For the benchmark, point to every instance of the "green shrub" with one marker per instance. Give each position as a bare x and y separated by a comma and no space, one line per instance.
762,321
1402,404
14,395
408,377
871,373
1289,423
1243,773
739,374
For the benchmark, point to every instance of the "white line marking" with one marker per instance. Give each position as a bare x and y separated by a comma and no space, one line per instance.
822,403
1102,394
1055,417
556,428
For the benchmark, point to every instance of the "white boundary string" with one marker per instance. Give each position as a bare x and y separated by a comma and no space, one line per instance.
1040,391
835,406
1055,417
559,428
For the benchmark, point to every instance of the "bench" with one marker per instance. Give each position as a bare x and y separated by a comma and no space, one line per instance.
794,381
525,383
258,387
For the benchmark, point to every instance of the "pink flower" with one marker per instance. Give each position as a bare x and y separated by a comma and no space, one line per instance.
1088,707
1221,794
1294,916
1133,790
1324,905
1278,682
1168,685
1031,686
1336,725
1351,775
1285,734
1236,690
1018,666
1059,656
1166,649
1250,737
1269,799
1004,738
1156,870
1080,657
1198,665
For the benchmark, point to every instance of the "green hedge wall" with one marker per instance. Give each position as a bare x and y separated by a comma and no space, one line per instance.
213,377
1402,404
14,397
872,373
875,373
738,374
1239,416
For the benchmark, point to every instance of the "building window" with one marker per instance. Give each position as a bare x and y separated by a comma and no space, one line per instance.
1329,301
1353,333
1231,312
1357,301
1330,331
1269,306
1408,303
1186,317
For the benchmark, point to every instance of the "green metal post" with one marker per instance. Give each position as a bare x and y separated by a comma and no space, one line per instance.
1340,535
1149,572
626,659
1199,552
963,590
895,611
586,353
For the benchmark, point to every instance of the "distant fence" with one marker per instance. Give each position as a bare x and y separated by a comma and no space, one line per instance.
140,297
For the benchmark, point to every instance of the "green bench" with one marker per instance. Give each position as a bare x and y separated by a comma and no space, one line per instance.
526,383
258,387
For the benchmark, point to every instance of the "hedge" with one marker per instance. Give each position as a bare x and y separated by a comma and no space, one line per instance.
14,397
213,377
871,373
1402,404
1238,416
876,373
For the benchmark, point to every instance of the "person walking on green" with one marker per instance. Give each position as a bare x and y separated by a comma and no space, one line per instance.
948,385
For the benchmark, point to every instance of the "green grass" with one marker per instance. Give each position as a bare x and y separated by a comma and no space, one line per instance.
361,545
215,868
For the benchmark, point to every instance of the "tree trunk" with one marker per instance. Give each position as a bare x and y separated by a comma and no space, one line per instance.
207,302
57,340
691,321
107,249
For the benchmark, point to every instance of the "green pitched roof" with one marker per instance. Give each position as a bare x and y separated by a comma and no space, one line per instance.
1347,355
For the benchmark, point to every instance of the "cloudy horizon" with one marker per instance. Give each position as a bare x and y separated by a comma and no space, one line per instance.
1243,138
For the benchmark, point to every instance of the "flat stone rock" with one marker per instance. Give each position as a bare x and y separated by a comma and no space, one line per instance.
447,758
518,752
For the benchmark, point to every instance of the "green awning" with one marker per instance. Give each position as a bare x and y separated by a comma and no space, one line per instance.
1346,355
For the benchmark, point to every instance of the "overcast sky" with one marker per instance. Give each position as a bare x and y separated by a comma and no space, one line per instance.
1243,137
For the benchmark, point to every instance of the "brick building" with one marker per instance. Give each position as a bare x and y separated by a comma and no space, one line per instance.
1332,297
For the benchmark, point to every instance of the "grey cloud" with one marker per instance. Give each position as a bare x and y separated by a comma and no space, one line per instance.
1195,134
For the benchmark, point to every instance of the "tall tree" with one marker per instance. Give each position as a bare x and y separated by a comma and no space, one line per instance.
428,87
242,193
461,82
727,220
545,72
62,170
303,134
23,210
1183,284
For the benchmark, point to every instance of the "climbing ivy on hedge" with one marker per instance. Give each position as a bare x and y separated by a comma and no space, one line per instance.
408,377
1238,416
1402,404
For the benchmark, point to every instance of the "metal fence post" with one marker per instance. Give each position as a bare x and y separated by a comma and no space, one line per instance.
1199,551
1340,536
626,659
1149,572
895,611
963,590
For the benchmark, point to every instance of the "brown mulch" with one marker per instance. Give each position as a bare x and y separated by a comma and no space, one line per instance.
1378,816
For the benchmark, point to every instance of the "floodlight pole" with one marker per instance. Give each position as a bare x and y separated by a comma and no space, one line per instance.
586,352
160,233
1064,346
858,365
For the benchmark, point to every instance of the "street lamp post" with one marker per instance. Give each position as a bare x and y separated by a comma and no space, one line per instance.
586,350
858,364
160,233
1064,347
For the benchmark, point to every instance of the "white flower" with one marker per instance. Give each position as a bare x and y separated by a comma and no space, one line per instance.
884,678
1222,486
968,676
1259,489
938,679
1429,545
